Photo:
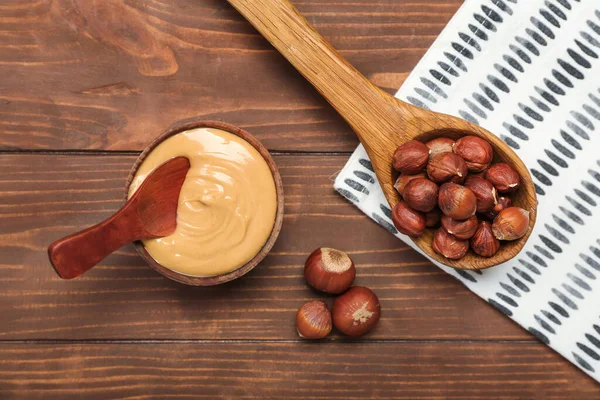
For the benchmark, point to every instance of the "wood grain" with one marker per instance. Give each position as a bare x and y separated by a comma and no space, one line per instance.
45,197
347,371
73,81
381,122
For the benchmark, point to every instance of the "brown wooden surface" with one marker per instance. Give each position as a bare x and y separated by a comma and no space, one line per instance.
122,330
345,371
68,84
48,196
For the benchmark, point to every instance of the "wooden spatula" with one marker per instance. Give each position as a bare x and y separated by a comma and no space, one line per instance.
150,213
380,121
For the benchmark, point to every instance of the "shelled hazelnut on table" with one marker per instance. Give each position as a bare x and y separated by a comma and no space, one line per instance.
313,320
329,270
355,312
457,183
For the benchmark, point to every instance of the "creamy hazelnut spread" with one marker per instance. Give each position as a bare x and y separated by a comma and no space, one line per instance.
227,203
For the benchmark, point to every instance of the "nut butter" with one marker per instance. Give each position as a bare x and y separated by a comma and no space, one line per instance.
227,205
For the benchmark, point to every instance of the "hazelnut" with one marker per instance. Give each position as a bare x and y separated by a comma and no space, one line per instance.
476,152
356,312
440,145
313,320
462,230
421,194
403,180
433,217
329,270
503,203
456,201
411,157
449,246
478,174
511,224
447,167
504,177
483,242
484,191
407,220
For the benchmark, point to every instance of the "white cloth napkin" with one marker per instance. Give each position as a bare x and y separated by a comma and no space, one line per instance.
529,71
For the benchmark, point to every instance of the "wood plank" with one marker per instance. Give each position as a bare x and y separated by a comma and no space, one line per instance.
348,371
114,74
45,197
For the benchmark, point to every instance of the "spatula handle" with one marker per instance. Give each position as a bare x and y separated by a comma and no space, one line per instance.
347,90
75,254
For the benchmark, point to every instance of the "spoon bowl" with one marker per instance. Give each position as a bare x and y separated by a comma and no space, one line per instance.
194,123
525,198
381,122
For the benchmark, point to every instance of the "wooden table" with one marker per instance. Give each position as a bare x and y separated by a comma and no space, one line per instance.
86,85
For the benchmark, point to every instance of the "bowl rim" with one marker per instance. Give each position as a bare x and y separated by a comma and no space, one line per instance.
193,123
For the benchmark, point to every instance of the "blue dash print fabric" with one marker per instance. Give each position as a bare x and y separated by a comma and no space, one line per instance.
529,71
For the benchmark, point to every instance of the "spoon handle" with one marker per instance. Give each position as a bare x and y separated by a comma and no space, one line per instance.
73,255
368,109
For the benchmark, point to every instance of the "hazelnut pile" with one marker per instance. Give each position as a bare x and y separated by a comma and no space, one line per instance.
354,313
453,184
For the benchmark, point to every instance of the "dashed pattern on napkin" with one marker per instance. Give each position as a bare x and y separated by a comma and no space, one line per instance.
530,72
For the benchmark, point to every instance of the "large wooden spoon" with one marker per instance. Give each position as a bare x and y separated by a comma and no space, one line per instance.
380,121
150,213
